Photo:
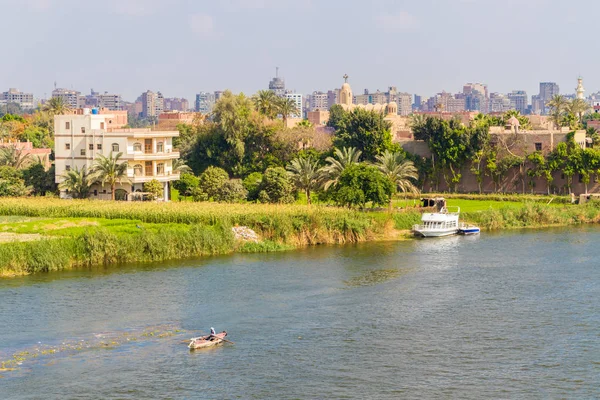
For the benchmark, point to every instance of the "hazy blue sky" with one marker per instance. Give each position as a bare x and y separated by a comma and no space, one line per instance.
181,47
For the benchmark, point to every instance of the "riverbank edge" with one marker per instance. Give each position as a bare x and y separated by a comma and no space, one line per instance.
285,232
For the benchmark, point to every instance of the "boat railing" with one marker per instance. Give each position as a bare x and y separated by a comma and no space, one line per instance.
450,210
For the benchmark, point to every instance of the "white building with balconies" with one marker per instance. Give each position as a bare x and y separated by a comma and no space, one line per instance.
81,137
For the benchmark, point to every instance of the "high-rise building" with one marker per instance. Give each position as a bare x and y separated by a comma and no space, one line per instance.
332,97
176,104
277,84
13,96
153,104
404,101
500,103
519,101
476,97
205,102
547,91
297,97
69,97
319,101
417,103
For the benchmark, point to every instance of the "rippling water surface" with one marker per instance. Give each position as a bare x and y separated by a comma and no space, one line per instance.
514,315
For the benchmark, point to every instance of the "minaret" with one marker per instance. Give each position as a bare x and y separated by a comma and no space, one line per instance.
580,90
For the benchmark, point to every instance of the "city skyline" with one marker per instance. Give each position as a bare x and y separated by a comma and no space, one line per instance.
203,46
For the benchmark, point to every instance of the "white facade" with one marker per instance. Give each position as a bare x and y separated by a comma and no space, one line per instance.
80,139
297,97
69,97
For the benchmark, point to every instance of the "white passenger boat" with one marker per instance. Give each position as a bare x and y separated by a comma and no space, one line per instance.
441,223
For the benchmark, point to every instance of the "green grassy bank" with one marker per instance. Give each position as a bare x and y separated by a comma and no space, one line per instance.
38,235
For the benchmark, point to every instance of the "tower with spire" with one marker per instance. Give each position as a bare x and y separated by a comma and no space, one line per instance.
580,90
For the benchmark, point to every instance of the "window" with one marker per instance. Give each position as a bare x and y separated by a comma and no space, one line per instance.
68,167
115,147
160,169
101,125
538,147
159,147
67,125
91,146
83,129
67,146
137,170
149,168
148,146
137,147
99,146
82,152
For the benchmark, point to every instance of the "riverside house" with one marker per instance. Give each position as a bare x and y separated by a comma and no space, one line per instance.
83,135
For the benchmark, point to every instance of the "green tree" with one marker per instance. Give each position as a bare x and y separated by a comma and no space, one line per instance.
231,115
578,107
266,103
40,180
558,106
286,107
342,159
12,156
211,181
77,182
11,183
337,117
365,130
360,184
56,106
180,166
186,184
400,172
232,191
109,170
154,189
252,184
305,175
276,186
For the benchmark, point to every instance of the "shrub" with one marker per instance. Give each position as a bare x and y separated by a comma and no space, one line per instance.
154,189
232,191
252,184
211,181
277,185
186,184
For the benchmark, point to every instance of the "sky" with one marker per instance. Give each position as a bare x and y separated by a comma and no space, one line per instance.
182,47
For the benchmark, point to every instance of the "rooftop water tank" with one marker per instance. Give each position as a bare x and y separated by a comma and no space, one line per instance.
94,111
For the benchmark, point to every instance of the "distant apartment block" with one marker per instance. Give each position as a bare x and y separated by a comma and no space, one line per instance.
108,101
69,97
84,135
547,91
500,103
176,104
319,101
205,102
519,101
13,96
297,97
153,104
404,101
476,97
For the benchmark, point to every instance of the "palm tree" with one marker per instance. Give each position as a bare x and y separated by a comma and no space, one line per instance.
578,107
180,166
14,157
398,170
558,105
265,102
341,160
286,107
76,181
56,106
109,170
304,173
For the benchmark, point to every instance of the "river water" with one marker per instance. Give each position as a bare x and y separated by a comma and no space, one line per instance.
511,315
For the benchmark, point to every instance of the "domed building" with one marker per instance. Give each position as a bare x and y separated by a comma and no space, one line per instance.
346,101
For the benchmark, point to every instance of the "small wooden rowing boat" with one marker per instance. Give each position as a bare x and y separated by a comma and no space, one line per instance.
202,342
